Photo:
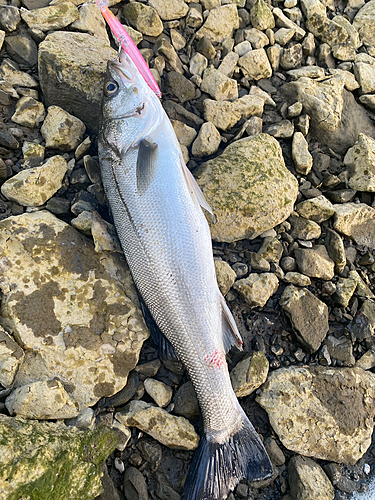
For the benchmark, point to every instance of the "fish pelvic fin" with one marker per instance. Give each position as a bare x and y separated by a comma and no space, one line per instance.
231,335
218,467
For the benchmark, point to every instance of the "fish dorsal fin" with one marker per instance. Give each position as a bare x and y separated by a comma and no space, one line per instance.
194,189
145,164
231,335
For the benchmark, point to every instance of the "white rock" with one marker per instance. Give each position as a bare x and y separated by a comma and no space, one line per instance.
360,161
207,142
160,392
356,220
256,289
62,130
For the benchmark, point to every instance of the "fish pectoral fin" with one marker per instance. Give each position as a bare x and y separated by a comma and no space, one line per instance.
231,335
146,164
194,189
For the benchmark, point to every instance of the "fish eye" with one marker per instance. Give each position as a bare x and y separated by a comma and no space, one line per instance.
110,88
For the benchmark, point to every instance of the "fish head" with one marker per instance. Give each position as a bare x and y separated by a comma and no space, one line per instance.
125,93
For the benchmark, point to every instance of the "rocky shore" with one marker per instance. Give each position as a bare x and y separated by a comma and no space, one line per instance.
273,104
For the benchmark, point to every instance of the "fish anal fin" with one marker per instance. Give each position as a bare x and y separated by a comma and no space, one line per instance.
231,335
146,164
194,189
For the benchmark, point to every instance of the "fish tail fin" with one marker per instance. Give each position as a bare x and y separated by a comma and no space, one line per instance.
217,468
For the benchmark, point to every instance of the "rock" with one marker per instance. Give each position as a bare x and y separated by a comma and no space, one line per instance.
340,349
84,420
317,209
225,276
34,186
249,105
274,451
271,249
261,16
360,161
33,154
135,487
308,481
104,235
242,48
171,9
249,374
365,74
321,412
282,21
151,451
255,64
14,77
283,129
364,23
274,55
163,490
184,133
336,250
11,356
297,279
180,86
367,361
68,309
207,142
160,392
43,400
53,17
362,289
186,402
198,63
247,207
29,112
256,289
150,368
284,35
308,315
62,58
62,130
345,289
174,432
83,222
9,18
219,86
177,112
22,49
363,324
254,126
7,140
300,152
315,262
220,23
257,38
204,46
336,118
223,114
194,18
91,21
143,18
69,460
291,57
257,262
356,220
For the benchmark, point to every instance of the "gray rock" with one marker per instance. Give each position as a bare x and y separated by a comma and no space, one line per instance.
256,289
164,490
363,325
295,110
282,21
271,249
249,105
29,112
135,487
143,18
150,368
219,86
356,220
242,48
225,276
184,133
315,262
204,46
254,126
302,158
283,129
62,55
274,55
220,23
365,74
11,356
49,320
91,21
367,361
180,86
345,288
322,412
8,140
58,206
360,161
257,38
164,48
308,480
362,289
53,446
9,18
261,16
160,392
249,374
317,209
297,279
229,64
207,142
340,349
151,451
291,57
255,64
368,100
170,9
104,235
261,206
194,18
14,77
198,63
186,402
33,154
174,432
62,130
336,250
274,451
22,49
284,35
53,17
34,186
308,315
257,262
364,23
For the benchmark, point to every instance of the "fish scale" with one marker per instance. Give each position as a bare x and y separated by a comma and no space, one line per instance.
166,240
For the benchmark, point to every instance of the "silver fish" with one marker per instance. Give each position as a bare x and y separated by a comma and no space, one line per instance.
156,207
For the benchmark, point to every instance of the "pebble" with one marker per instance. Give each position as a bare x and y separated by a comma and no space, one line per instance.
302,158
62,130
9,18
256,289
53,17
143,18
186,402
22,49
29,112
256,64
284,129
207,142
317,209
225,276
135,487
261,16
308,480
220,23
315,262
219,86
160,392
249,374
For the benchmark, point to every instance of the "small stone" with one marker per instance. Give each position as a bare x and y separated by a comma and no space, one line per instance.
345,289
204,46
340,349
8,140
302,158
9,18
135,487
174,432
169,9
295,109
229,64
297,279
256,289
257,262
284,35
90,21
43,400
186,402
163,48
288,264
315,262
308,315
194,18
271,249
283,129
256,37
29,112
223,114
184,133
274,55
83,222
11,356
256,64
34,186
249,374
219,86
249,105
317,209
180,86
207,142
362,289
368,100
22,49
149,369
254,126
62,130
303,124
365,76
143,18
261,16
33,154
82,149
160,392
220,23
84,420
308,45
225,276
356,220
308,480
178,41
283,21
336,250
58,205
198,63
363,324
367,361
242,48
360,161
291,57
151,451
274,451
53,17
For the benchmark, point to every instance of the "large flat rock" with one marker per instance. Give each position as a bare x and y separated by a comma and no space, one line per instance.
72,310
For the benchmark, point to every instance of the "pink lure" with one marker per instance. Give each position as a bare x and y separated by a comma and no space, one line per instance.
128,45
